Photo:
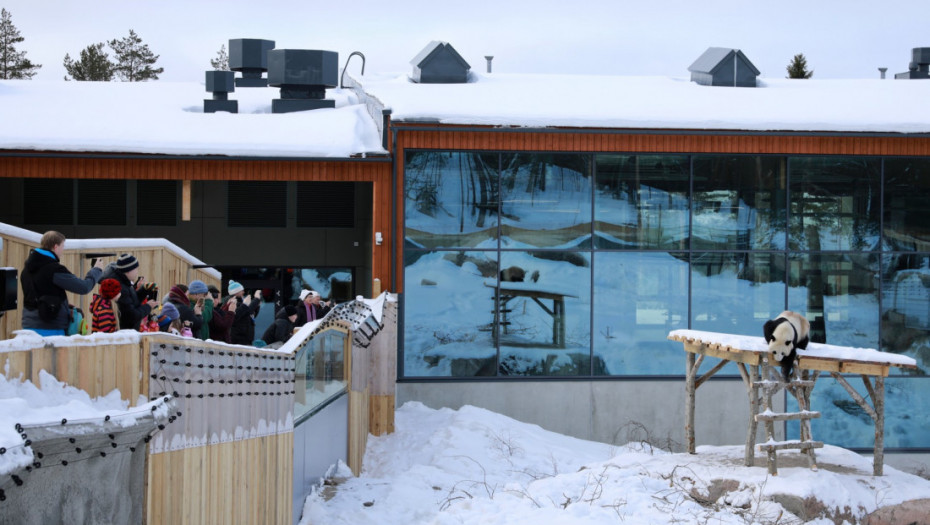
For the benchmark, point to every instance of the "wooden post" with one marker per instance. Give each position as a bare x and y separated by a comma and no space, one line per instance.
383,373
185,200
878,399
690,372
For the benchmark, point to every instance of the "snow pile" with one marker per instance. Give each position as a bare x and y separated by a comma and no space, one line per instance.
49,403
475,466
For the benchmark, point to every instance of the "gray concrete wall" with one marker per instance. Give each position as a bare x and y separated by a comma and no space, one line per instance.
606,411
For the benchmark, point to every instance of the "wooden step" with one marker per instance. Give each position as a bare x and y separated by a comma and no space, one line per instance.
789,445
787,416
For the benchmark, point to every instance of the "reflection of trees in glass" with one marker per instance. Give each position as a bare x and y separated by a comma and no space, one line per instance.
834,203
434,181
534,172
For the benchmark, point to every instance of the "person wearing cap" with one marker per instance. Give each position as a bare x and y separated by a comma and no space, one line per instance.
132,311
104,309
310,308
45,281
282,328
242,331
189,302
169,314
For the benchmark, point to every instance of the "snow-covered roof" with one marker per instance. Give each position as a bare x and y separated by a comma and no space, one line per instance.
167,117
659,103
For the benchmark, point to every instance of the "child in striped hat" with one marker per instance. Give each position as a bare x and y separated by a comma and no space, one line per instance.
103,308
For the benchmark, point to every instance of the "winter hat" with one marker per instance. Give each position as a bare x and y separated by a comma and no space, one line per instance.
126,263
170,311
290,310
304,294
196,287
110,288
234,287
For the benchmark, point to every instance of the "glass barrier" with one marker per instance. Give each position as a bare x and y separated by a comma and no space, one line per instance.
320,374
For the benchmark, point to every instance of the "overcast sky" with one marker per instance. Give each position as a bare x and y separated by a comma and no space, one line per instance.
840,38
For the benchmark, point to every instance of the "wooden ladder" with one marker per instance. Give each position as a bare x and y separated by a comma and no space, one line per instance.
800,388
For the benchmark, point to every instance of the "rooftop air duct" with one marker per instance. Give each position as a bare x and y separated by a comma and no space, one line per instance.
721,66
250,57
919,66
303,76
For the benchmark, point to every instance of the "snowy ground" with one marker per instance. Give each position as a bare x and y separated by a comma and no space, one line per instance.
475,466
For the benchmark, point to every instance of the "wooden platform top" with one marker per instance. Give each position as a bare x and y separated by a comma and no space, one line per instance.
749,349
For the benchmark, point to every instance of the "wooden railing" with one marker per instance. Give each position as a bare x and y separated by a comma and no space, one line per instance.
160,262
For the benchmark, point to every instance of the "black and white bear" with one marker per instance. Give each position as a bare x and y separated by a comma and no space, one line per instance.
785,335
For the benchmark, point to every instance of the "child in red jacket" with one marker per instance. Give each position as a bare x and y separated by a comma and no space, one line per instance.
105,314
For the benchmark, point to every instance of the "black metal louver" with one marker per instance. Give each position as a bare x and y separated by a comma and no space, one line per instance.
256,204
326,204
101,202
157,203
48,201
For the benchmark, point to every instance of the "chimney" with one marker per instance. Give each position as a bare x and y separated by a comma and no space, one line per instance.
882,71
489,58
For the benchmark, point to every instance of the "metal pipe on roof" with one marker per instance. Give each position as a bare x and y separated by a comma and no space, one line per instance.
359,53
882,71
489,58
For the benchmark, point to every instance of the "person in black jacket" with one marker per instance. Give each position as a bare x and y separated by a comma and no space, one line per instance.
242,331
132,311
310,308
45,280
282,328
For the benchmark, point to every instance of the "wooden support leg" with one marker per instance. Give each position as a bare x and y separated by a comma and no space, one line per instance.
772,459
878,399
690,373
749,378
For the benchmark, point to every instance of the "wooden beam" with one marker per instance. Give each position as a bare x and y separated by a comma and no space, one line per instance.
185,200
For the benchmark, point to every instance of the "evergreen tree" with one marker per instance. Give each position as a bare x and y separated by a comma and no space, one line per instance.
221,62
94,65
13,64
798,67
134,60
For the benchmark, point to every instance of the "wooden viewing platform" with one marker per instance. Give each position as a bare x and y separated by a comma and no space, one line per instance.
762,378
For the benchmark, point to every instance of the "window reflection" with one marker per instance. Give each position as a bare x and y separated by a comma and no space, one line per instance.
907,213
834,203
546,201
450,199
906,306
448,312
641,201
320,370
739,203
638,299
838,294
543,313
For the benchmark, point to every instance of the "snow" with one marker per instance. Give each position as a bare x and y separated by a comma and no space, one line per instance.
475,466
49,403
167,117
758,344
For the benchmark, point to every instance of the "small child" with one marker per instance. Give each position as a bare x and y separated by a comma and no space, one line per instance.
103,308
169,316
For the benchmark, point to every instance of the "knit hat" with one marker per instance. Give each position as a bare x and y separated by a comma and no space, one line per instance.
197,286
311,293
110,288
290,310
234,287
170,311
126,263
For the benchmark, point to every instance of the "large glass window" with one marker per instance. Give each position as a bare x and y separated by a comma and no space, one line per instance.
320,373
579,265
907,205
641,202
638,299
834,204
451,200
546,201
739,203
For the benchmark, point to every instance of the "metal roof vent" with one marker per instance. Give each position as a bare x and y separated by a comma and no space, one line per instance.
303,76
722,66
250,57
439,63
919,66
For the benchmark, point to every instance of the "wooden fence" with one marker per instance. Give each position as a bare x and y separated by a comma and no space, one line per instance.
227,455
160,262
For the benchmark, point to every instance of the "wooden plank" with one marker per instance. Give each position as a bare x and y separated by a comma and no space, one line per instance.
787,416
789,445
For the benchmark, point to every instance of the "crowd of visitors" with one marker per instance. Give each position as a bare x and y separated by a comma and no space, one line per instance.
126,301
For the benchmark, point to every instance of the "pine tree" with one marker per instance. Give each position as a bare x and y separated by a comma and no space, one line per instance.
221,62
94,65
134,60
13,64
798,67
